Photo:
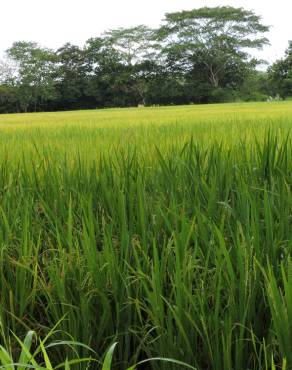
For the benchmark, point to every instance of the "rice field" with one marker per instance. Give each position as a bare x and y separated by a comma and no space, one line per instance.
167,230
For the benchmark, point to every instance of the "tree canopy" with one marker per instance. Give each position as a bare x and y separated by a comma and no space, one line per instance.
280,74
195,56
213,40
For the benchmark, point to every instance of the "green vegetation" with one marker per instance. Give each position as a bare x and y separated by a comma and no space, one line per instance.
203,55
280,74
196,56
167,230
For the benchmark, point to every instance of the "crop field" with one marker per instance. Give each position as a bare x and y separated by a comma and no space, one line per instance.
167,230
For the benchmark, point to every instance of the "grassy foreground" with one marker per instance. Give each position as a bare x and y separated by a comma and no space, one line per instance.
167,230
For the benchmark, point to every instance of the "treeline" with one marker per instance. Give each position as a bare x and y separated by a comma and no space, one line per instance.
196,56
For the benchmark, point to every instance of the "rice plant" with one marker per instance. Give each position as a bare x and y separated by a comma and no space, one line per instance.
168,231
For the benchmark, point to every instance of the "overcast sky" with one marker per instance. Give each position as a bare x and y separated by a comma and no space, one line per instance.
54,22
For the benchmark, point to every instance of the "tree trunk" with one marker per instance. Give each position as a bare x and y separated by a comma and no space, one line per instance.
214,79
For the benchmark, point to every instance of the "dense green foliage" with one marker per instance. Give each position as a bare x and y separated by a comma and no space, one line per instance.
280,74
167,230
196,56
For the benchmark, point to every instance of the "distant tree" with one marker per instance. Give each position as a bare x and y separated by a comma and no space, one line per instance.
8,99
70,76
280,75
35,73
211,42
134,44
255,86
137,50
201,55
107,74
8,72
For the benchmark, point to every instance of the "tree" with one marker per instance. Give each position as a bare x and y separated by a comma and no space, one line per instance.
8,72
35,73
196,56
134,44
107,75
8,91
211,42
70,76
280,75
136,48
8,99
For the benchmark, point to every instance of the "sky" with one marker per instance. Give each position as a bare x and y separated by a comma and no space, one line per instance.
52,23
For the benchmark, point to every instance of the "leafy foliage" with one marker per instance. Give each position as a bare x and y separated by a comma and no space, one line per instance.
280,75
196,56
